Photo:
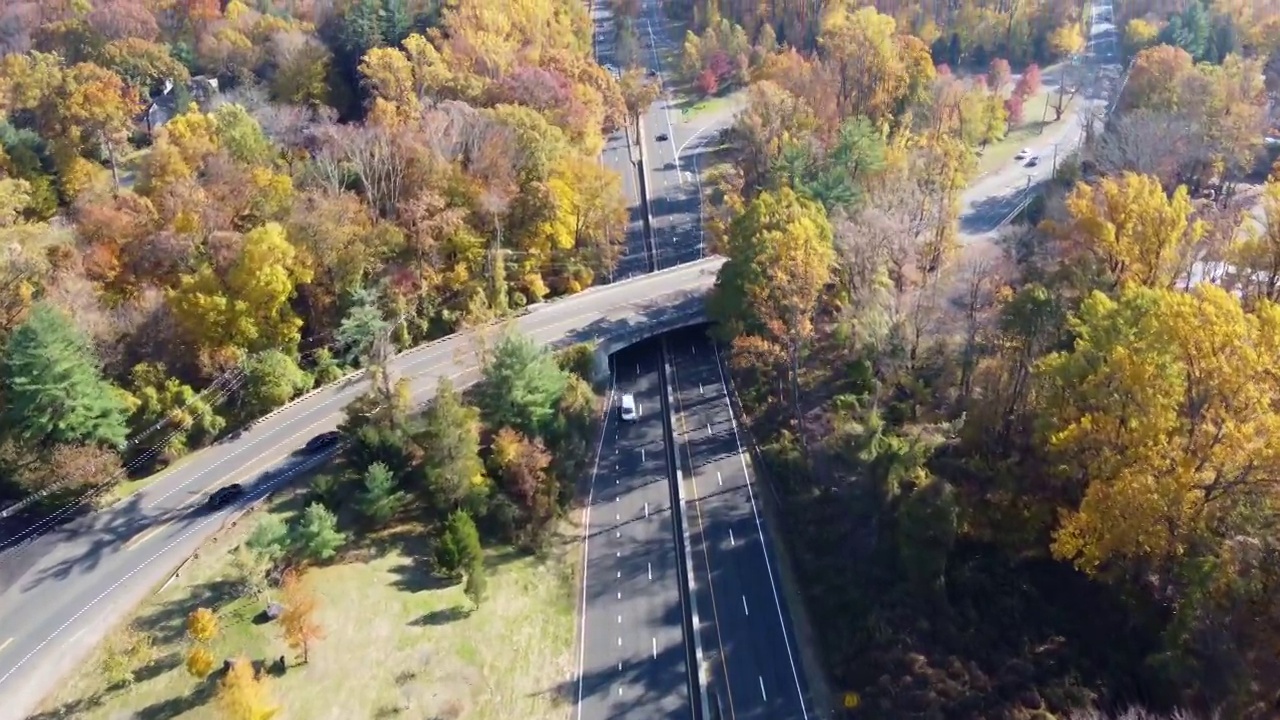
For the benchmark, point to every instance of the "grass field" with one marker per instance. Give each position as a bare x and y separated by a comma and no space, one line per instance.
398,643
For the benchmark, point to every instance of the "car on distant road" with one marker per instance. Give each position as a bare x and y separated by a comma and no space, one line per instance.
1023,154
627,408
1034,161
663,137
224,495
323,441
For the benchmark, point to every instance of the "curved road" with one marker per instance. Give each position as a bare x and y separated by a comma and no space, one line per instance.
87,575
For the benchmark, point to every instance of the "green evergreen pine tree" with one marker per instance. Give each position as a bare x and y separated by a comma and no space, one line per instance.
53,386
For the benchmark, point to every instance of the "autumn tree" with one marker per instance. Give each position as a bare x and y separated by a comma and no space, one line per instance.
524,466
1160,415
243,695
638,93
248,306
1139,34
780,257
1156,78
298,622
999,75
1257,252
1066,39
200,662
202,625
1131,229
1028,83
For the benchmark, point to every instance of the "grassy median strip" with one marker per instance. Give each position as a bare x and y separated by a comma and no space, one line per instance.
398,641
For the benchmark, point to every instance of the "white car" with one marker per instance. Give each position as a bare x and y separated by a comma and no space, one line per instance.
1023,154
627,408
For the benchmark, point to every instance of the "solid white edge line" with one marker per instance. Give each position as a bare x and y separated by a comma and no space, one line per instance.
586,539
764,550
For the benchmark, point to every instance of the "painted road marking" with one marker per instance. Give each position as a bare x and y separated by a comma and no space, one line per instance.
619,645
655,648
731,542
650,574
139,539
744,605
719,481
709,429
646,509
763,694
5,644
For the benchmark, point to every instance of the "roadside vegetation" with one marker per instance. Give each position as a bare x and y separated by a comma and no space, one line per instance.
1029,478
210,208
437,561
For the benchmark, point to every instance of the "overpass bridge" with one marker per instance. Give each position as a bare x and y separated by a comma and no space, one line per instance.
46,606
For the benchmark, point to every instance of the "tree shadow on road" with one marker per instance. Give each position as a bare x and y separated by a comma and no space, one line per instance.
105,534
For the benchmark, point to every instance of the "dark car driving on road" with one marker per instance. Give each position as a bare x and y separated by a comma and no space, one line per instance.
224,495
662,137
322,441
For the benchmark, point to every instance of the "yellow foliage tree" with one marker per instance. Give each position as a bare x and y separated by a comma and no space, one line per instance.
249,308
200,662
242,695
202,625
780,259
298,621
1066,39
1163,415
1257,253
871,74
1139,34
1133,230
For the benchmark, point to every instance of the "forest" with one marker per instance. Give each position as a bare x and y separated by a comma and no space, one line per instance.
209,210
1020,478
1029,476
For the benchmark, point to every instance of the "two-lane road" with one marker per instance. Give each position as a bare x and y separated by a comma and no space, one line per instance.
83,577
746,632
633,652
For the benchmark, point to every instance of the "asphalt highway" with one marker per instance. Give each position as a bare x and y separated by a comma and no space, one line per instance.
671,170
633,652
74,582
749,652
620,156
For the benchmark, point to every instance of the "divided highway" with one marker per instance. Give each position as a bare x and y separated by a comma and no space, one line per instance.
633,662
745,627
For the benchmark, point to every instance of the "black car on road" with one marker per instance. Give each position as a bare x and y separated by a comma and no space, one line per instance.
323,441
224,495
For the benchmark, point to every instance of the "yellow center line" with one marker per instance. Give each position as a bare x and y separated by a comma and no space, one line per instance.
145,536
5,644
148,534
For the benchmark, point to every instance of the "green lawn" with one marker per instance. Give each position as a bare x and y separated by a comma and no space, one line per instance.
398,643
1035,122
